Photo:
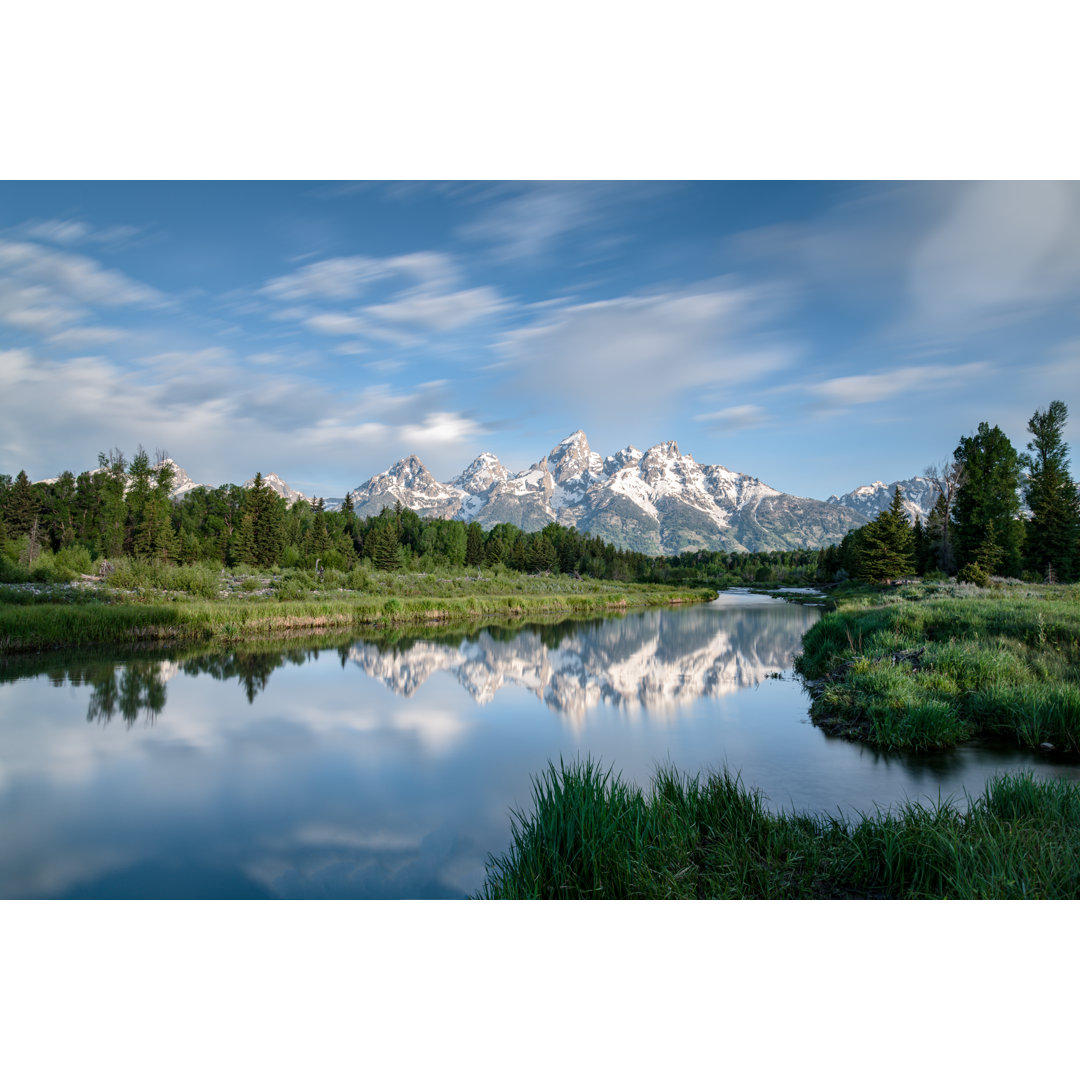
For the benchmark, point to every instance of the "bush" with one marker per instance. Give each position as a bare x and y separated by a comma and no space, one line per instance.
75,558
290,588
199,579
973,574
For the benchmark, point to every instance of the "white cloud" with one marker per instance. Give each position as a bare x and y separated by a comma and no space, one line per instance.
526,225
442,428
850,390
735,418
55,231
350,277
439,311
640,354
428,303
220,418
76,277
1003,246
81,337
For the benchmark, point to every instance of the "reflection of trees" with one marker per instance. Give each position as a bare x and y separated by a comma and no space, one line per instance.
128,689
251,669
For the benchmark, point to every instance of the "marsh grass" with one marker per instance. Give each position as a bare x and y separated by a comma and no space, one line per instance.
36,621
591,835
927,668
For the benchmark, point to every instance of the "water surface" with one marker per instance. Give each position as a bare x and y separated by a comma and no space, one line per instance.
386,768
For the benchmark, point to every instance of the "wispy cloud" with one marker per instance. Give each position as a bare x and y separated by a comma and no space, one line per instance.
734,418
424,297
529,222
848,391
636,355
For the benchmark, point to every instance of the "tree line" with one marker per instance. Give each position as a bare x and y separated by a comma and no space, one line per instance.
977,527
125,508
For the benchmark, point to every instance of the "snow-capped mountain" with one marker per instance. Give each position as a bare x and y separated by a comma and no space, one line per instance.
659,501
918,494
277,485
182,483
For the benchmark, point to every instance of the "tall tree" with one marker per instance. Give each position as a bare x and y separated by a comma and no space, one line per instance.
1054,526
989,496
886,548
21,505
948,478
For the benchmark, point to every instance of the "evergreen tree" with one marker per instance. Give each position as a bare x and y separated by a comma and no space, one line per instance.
990,496
21,505
384,548
242,542
474,544
887,545
921,547
1054,526
267,512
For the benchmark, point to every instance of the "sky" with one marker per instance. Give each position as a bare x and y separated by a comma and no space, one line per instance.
817,335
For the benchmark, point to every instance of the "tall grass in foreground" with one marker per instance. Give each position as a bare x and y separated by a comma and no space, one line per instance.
590,835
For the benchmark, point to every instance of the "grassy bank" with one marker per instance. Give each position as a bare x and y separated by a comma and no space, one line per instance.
53,617
591,836
929,666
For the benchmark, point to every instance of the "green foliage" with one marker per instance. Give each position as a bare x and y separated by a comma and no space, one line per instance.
886,547
989,498
590,835
1053,531
929,668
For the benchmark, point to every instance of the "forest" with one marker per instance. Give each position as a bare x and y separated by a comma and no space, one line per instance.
999,512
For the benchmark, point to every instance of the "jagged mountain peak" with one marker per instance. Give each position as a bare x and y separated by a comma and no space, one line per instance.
657,501
279,487
919,494
485,471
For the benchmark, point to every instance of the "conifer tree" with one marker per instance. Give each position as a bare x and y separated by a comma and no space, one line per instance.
474,544
887,545
21,505
1054,526
990,496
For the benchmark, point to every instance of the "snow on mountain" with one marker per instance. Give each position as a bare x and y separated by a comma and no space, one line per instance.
279,487
659,501
410,483
181,484
918,494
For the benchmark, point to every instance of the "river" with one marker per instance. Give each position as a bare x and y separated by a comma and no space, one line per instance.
387,767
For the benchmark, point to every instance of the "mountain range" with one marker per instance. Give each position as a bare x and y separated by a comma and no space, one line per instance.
657,501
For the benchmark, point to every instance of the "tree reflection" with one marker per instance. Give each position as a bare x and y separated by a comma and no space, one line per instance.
130,690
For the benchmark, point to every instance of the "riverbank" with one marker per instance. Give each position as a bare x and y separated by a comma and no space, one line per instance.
589,835
51,617
929,666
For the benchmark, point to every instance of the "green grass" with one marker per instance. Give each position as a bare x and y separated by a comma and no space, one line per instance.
58,616
590,835
927,667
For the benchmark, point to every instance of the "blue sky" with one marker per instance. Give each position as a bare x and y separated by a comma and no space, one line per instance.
816,335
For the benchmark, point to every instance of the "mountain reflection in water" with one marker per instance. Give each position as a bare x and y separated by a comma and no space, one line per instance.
655,660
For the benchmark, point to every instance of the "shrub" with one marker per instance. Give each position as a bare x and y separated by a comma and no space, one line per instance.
973,574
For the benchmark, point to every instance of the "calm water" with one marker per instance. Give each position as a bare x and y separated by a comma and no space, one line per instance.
378,769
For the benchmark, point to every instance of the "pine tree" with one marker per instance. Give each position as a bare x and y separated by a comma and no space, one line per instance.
383,546
21,506
1054,526
886,547
921,547
990,496
474,544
